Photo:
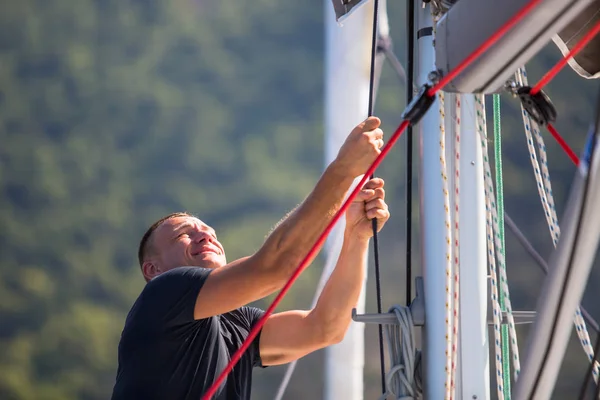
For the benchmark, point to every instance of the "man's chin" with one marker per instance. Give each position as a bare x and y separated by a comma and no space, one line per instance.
209,260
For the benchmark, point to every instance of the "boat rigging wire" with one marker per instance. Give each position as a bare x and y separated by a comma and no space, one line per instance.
540,262
374,221
410,81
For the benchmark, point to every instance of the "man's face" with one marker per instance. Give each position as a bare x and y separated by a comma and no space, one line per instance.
186,241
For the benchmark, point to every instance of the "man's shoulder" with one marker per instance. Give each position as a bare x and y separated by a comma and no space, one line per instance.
185,272
178,275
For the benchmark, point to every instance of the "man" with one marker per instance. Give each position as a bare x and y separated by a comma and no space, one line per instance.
192,314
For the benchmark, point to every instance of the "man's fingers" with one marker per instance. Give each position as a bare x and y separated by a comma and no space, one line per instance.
376,133
374,183
370,124
379,213
376,203
365,195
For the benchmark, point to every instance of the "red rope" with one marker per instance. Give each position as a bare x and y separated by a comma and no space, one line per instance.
551,74
561,64
563,144
321,240
238,354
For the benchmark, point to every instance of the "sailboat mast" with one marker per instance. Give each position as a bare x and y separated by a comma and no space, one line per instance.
432,228
473,356
472,371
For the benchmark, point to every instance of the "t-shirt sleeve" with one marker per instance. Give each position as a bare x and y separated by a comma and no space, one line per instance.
252,315
171,296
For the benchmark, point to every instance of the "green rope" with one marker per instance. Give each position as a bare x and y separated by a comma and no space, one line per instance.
500,233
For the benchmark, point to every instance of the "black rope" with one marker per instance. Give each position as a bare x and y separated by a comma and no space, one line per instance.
375,238
512,226
410,35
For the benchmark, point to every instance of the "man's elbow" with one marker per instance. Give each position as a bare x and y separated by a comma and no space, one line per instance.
333,332
337,338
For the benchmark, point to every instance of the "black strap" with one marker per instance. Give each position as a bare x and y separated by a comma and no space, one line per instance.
375,238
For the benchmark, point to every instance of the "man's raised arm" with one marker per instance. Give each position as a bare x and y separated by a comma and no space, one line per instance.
289,335
249,279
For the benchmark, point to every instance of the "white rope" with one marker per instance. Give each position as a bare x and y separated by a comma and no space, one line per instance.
500,254
400,380
456,287
502,262
489,187
450,370
542,177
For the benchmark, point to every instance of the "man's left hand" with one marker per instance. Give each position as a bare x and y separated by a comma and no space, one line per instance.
369,203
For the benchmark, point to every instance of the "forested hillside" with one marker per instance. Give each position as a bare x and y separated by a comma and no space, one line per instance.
115,112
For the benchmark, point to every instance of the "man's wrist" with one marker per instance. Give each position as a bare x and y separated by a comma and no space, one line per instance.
341,170
355,238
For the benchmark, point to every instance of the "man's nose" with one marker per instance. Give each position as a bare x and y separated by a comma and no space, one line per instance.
200,236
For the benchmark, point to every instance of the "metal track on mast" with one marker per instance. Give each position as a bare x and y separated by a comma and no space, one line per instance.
469,22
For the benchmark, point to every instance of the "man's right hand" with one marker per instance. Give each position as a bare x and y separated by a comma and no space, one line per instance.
361,147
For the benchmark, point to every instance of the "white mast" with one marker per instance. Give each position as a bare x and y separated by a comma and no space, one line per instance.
432,230
473,377
347,65
472,372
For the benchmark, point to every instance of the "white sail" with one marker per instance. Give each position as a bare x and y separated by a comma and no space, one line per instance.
347,64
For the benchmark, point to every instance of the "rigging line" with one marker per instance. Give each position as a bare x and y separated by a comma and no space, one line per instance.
410,81
374,220
500,238
383,47
564,60
551,74
563,144
588,376
304,263
321,240
539,260
488,189
542,176
569,269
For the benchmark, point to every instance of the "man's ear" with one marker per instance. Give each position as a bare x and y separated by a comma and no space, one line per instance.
150,270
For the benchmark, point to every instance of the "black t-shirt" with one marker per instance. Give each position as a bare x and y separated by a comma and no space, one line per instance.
165,354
